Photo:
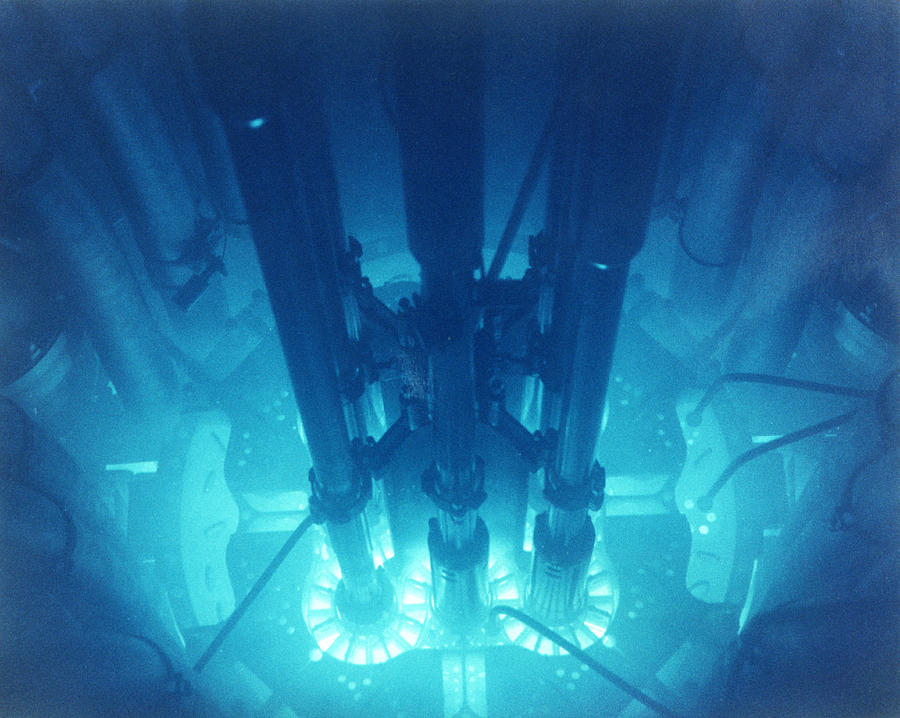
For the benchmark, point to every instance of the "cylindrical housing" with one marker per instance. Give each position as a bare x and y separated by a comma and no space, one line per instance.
558,573
602,291
257,76
439,89
459,577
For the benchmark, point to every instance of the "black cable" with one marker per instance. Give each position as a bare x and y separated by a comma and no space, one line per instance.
694,418
254,592
180,685
583,656
66,557
842,516
384,94
693,257
526,189
704,503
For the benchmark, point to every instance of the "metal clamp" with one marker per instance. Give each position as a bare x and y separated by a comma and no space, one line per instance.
339,508
461,498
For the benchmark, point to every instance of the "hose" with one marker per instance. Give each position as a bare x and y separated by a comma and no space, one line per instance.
696,416
253,593
180,685
592,663
704,503
720,264
66,556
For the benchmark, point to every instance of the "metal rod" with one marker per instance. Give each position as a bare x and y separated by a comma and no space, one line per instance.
253,593
526,189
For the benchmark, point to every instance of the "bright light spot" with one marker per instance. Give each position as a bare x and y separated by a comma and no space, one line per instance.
394,648
357,655
609,641
409,634
315,655
711,517
135,467
379,655
256,123
602,267
689,504
704,529
598,631
764,438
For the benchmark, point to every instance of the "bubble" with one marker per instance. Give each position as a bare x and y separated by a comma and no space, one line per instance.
704,529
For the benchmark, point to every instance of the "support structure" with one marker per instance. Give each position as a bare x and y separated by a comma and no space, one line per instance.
256,94
439,86
601,185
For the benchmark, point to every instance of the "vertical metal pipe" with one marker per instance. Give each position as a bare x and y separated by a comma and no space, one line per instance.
247,83
439,87
599,203
439,90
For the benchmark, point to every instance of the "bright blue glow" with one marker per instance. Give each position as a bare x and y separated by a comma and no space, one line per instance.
256,123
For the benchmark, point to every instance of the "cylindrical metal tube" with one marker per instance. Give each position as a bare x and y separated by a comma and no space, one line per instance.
558,573
603,291
439,78
258,126
58,210
459,577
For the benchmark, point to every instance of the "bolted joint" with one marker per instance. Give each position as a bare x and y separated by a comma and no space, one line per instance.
339,508
565,495
597,483
459,499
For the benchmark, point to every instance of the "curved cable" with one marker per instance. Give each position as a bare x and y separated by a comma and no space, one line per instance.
704,503
253,593
67,555
694,418
583,656
180,685
699,260
526,189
